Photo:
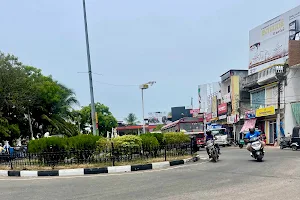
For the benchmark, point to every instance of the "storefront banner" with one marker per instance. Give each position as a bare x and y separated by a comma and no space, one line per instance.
265,111
223,117
226,98
250,114
214,107
232,119
222,109
208,117
235,93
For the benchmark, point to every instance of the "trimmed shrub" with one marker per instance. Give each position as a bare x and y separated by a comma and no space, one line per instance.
103,144
176,138
83,142
79,142
149,142
47,145
127,141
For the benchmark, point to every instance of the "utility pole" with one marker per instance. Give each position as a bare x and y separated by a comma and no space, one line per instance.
280,75
89,70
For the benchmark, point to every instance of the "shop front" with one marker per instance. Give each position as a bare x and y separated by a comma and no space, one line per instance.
266,122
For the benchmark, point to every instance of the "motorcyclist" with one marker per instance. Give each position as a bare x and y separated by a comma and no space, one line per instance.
209,136
252,133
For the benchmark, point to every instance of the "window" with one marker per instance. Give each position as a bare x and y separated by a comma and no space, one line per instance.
228,89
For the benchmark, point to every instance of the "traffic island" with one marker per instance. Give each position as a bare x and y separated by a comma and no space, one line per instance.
96,170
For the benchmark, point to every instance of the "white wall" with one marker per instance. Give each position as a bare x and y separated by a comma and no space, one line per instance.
292,94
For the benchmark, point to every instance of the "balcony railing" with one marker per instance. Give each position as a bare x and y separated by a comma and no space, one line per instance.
250,81
269,75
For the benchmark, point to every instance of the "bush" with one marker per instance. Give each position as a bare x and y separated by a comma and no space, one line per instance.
83,142
149,142
45,144
79,142
176,138
127,141
103,144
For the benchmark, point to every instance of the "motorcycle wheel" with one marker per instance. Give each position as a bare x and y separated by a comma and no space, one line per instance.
241,146
294,148
259,158
281,146
214,156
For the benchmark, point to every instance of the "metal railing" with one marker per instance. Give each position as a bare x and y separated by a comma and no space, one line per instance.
106,157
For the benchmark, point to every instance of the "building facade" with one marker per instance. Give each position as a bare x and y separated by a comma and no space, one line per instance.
274,55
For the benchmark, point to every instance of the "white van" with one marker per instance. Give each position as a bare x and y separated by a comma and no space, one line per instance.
221,136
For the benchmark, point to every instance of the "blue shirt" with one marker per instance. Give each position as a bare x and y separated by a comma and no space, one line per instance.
251,135
209,137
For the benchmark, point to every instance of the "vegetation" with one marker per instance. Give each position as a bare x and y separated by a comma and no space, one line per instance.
131,119
32,104
176,138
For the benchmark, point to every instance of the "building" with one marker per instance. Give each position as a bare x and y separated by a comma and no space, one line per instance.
134,129
234,101
272,45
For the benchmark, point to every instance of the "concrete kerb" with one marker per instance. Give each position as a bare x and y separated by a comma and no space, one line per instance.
90,171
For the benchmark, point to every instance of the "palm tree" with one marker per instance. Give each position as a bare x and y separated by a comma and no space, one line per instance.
131,119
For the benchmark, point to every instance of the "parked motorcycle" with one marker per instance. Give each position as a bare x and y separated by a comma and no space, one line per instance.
212,150
258,150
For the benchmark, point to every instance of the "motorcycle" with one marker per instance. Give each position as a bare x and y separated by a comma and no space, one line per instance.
212,150
257,149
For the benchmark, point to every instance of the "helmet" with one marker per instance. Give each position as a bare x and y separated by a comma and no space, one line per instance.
251,130
208,132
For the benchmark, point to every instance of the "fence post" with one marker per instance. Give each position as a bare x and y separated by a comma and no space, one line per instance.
112,154
165,151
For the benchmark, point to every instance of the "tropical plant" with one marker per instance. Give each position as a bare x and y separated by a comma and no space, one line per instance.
131,119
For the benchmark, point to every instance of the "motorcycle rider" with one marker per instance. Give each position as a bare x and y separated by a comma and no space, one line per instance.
209,136
252,133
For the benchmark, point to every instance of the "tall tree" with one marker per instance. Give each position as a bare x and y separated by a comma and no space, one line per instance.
131,119
106,121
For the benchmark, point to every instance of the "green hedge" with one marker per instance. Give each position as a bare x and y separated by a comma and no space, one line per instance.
176,138
80,142
127,141
149,141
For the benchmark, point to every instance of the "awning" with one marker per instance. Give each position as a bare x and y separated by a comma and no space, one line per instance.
249,123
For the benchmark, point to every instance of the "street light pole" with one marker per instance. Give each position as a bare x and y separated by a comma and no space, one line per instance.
89,69
144,87
144,129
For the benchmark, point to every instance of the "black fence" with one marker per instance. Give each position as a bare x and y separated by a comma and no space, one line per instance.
109,157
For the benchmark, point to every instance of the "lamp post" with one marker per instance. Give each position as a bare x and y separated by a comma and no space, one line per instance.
144,87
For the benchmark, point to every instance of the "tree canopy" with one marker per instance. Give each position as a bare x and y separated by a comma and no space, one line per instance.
131,119
32,103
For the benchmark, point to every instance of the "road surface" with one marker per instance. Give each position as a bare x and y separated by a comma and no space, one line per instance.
235,176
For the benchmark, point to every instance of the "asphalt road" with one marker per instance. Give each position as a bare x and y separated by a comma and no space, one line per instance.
235,176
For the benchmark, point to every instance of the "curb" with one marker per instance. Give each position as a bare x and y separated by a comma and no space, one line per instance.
103,170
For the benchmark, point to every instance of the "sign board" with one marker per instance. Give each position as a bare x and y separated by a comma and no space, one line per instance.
232,119
250,114
194,111
268,43
223,117
214,107
222,109
208,117
226,98
265,111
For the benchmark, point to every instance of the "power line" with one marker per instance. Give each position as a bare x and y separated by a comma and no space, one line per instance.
116,85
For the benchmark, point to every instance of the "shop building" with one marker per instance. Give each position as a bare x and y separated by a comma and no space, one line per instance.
274,55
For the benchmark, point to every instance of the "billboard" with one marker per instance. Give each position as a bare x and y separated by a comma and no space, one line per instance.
157,118
268,43
222,109
205,94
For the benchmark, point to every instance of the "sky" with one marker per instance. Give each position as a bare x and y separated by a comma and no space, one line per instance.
179,44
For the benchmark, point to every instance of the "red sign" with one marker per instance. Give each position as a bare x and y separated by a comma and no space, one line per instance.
208,117
222,109
194,111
